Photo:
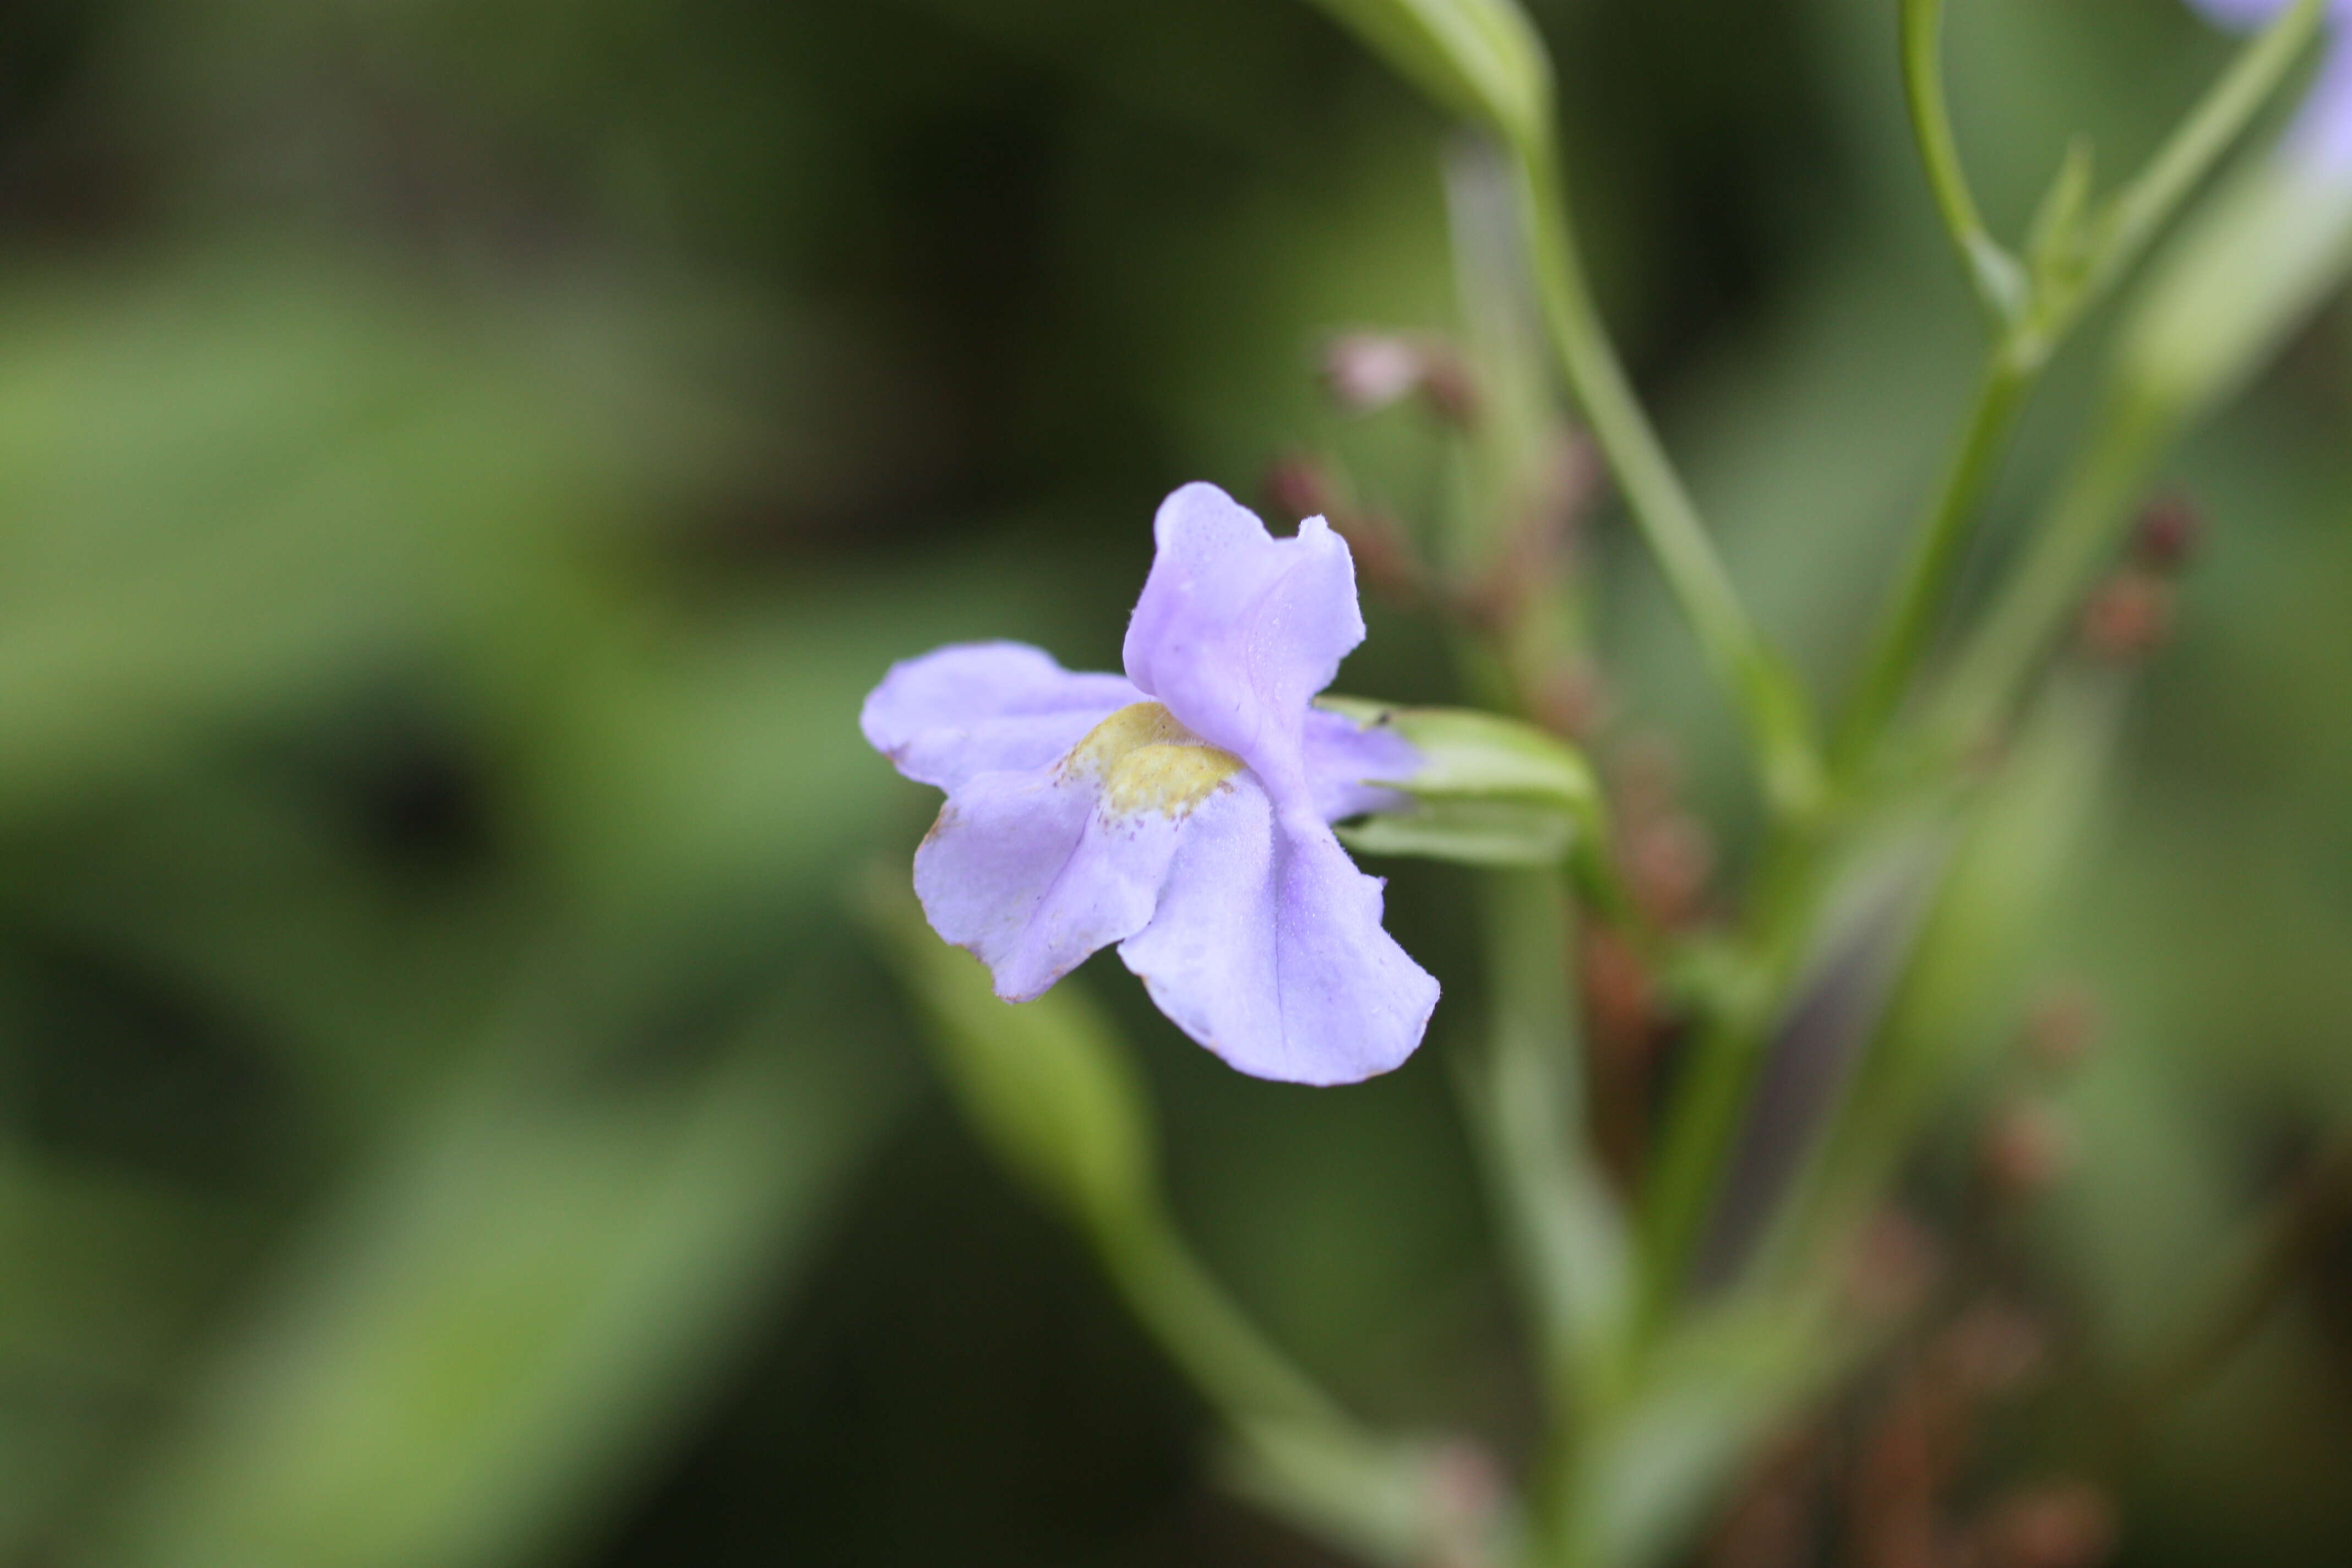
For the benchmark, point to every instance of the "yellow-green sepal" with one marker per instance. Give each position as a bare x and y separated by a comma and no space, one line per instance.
1490,791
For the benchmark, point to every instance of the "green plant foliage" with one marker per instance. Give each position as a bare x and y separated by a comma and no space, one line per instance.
463,465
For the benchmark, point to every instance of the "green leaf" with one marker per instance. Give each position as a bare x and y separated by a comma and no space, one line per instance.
1659,1467
1490,791
499,1320
1479,59
1046,1083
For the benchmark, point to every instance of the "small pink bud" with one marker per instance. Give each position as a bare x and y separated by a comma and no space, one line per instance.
2062,1027
1369,371
2070,1524
1895,1264
2127,617
2167,534
1297,486
2026,1148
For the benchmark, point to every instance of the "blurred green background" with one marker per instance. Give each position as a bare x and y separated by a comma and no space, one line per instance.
461,466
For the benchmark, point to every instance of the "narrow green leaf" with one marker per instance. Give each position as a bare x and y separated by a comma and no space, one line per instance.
1479,59
502,1318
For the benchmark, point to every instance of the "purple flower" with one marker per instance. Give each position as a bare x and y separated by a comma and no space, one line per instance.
1184,812
2322,136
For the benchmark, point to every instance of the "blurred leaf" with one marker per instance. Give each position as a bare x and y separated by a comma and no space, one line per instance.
224,492
1046,1083
100,1275
499,1324
1658,1467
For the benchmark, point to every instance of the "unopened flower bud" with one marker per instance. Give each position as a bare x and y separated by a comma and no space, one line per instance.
2026,1148
2068,1525
1369,371
2061,1029
1570,699
1465,1482
1446,383
1384,557
1297,486
2127,617
1668,861
1648,774
1992,1348
1617,986
2167,534
1895,1265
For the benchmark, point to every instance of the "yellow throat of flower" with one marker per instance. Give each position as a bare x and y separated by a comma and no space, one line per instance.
1145,761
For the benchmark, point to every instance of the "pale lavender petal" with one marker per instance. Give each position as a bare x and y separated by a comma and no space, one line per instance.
1237,629
2244,14
975,707
1345,764
1033,872
1268,949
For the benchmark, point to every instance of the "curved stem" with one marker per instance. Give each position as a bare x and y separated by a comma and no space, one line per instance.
1703,1119
1220,1350
1528,1110
1999,281
1910,618
2141,208
1768,695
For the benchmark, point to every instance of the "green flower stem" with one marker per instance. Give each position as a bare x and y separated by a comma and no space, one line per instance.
2143,207
1219,1349
1996,276
2033,320
1909,619
2027,619
1703,1117
1527,1107
1767,693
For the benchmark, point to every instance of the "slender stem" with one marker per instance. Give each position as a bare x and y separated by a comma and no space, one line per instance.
1768,695
1529,1111
1999,281
2033,607
1197,1323
2131,222
2141,209
1909,618
1703,1118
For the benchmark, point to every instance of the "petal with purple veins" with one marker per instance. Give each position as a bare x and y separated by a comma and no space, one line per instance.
974,707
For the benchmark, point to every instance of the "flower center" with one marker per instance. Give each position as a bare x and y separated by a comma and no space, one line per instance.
1145,761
